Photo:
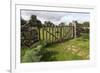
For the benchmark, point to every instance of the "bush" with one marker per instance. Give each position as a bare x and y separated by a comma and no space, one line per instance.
31,55
85,35
43,43
34,54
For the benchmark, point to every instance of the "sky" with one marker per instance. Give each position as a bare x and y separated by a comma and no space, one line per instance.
56,17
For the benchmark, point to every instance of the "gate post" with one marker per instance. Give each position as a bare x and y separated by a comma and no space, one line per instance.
39,33
74,30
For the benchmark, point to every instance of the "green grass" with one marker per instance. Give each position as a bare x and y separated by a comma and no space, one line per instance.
75,49
32,54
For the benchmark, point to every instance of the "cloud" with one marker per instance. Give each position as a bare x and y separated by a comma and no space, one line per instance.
68,17
55,17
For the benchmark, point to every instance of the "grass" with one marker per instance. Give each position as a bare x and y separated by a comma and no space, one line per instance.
75,49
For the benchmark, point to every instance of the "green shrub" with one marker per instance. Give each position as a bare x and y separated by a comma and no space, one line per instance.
85,35
43,43
31,56
34,54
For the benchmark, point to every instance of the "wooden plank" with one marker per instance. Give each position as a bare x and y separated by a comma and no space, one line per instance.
56,33
60,33
39,33
46,34
43,32
52,36
49,34
73,32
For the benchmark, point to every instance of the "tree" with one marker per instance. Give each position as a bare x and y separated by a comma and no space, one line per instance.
86,24
62,24
48,23
23,22
34,21
28,31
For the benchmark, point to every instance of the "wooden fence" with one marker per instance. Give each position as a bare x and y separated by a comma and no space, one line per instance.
50,33
54,34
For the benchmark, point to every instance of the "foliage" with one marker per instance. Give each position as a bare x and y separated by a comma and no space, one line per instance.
86,24
62,24
23,22
85,35
34,21
32,54
82,28
48,23
29,31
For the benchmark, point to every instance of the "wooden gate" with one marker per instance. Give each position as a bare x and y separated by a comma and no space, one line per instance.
53,34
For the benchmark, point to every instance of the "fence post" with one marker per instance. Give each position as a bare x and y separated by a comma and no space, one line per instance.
39,32
74,25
